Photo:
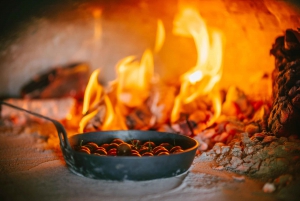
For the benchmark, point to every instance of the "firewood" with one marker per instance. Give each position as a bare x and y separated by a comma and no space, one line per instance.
139,118
96,122
161,101
285,113
61,81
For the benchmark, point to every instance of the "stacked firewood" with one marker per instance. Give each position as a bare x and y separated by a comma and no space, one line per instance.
284,119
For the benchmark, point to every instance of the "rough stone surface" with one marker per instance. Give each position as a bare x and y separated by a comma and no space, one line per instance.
261,155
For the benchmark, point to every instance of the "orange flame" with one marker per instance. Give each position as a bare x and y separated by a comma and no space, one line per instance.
93,92
132,87
93,97
160,36
202,79
134,79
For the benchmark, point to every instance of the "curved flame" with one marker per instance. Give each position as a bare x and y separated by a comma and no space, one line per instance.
134,79
93,92
202,79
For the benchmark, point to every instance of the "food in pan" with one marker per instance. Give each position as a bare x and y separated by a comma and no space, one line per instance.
118,147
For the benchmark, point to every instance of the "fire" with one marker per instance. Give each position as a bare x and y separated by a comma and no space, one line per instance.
92,96
134,79
195,77
93,93
160,36
201,80
133,87
95,98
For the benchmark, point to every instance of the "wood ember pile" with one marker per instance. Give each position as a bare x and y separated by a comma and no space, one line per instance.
56,94
285,114
154,113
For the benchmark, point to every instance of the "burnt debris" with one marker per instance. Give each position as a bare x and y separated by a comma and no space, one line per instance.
285,113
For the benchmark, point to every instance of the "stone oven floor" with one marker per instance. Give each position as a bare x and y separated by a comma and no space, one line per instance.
28,171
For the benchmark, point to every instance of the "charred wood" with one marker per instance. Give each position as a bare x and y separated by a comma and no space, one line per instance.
139,119
62,81
285,113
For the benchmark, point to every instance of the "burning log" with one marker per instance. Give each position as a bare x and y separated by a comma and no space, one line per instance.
161,101
96,122
139,119
285,113
66,81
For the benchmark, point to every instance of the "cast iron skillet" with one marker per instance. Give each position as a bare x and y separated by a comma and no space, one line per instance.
123,167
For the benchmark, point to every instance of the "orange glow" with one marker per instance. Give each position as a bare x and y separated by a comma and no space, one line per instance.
132,89
217,105
69,116
160,36
97,23
203,78
113,118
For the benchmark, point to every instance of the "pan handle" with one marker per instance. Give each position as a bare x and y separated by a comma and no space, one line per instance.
62,134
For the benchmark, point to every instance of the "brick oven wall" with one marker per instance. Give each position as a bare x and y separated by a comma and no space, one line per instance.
65,33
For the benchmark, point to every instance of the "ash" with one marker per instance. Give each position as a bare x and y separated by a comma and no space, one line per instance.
198,180
262,156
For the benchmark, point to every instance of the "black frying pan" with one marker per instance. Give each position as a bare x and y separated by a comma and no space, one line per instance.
123,167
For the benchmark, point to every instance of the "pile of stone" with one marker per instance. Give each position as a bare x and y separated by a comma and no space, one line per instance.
262,155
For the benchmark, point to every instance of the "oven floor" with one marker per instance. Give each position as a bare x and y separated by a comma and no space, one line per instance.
30,172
